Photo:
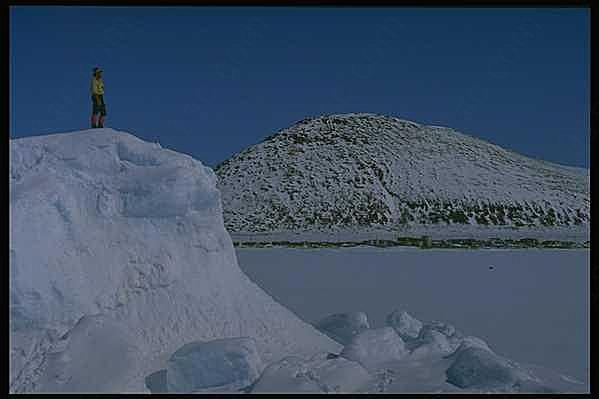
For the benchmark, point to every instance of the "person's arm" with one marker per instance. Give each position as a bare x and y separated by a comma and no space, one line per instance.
95,88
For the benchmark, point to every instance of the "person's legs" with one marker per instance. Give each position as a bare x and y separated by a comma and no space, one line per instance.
95,111
102,112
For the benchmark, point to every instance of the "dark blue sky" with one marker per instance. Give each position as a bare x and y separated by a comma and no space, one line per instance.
211,81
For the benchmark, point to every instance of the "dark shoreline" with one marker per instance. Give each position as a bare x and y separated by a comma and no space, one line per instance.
424,242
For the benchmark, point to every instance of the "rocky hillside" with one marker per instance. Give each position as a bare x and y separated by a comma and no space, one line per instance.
367,170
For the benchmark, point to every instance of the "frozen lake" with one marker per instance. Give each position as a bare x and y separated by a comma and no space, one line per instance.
532,306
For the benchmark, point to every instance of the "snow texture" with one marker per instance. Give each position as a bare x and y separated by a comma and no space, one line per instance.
94,355
343,327
223,365
120,245
351,173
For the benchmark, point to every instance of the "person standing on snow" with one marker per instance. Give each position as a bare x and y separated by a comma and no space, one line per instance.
97,92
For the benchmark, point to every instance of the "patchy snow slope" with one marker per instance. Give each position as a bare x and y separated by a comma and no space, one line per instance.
112,234
362,171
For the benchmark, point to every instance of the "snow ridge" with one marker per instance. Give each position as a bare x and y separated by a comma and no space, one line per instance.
367,170
110,233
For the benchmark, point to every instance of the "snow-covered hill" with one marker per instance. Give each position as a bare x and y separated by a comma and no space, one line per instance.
118,257
365,171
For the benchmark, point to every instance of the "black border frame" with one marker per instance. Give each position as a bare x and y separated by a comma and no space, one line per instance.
594,103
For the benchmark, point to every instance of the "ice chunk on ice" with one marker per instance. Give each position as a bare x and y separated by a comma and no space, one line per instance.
432,342
287,375
322,373
404,324
471,342
374,347
446,329
156,382
436,338
227,364
476,368
343,326
338,374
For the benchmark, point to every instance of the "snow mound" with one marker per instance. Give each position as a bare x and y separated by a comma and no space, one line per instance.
375,347
103,223
342,327
222,365
322,373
